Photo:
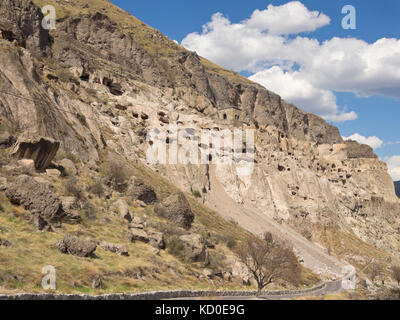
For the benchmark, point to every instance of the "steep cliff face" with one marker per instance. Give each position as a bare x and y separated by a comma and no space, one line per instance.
103,79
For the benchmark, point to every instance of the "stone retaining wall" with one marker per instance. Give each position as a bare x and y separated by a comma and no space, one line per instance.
155,295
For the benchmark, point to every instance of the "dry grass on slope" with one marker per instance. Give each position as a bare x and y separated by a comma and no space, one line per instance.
21,264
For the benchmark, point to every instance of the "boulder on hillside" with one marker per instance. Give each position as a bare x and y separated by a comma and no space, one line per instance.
138,190
42,150
195,247
176,208
69,166
138,235
138,223
156,239
115,248
26,166
121,208
71,208
76,246
37,196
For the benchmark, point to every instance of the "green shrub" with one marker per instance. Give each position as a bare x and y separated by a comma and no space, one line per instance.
71,188
175,246
97,189
196,194
216,260
230,241
171,230
65,155
91,212
117,175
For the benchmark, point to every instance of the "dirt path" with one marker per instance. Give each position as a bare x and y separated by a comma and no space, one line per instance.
256,222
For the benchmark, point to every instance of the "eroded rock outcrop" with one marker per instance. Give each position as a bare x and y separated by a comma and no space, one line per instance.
138,190
356,150
20,21
176,209
120,207
41,150
195,247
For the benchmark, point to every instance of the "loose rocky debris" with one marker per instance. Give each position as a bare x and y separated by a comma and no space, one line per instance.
138,190
41,150
176,209
115,248
76,246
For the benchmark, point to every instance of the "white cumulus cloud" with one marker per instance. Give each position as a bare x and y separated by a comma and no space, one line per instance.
305,71
291,18
297,89
373,142
394,167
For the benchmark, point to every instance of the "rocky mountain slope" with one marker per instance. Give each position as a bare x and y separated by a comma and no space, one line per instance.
397,188
103,79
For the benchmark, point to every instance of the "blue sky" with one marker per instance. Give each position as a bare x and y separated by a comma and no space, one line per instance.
378,113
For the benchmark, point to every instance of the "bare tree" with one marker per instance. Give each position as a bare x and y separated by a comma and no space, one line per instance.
373,271
396,274
268,262
268,237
